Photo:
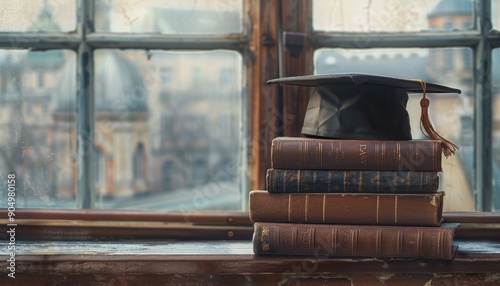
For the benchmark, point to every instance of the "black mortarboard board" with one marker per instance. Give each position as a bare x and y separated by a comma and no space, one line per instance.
365,107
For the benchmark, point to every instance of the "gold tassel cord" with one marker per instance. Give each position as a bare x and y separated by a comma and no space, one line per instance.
426,126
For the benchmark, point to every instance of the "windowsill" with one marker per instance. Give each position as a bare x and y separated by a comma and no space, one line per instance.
202,260
83,246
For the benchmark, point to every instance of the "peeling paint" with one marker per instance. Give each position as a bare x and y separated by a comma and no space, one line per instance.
384,277
293,280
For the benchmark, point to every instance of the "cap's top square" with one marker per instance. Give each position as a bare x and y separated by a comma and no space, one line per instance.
409,85
364,106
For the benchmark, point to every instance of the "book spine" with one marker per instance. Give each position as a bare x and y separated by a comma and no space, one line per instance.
324,241
322,154
369,209
338,181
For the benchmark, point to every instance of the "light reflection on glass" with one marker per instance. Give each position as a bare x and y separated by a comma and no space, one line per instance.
38,129
169,16
391,15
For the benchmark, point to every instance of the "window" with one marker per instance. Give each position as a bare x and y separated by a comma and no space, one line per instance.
186,80
365,36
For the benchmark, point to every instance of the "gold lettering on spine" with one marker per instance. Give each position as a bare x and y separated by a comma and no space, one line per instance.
305,208
395,209
298,182
363,156
264,238
378,203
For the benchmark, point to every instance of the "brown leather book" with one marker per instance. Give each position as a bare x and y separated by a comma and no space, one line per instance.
337,154
338,181
374,209
321,241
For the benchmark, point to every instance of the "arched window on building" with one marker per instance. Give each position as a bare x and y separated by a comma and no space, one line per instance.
139,162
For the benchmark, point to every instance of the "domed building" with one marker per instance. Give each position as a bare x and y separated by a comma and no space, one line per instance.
121,129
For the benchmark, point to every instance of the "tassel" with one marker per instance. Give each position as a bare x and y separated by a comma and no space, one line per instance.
426,126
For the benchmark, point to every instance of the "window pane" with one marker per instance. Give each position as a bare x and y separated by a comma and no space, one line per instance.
392,15
38,15
38,129
495,14
169,16
496,128
451,113
168,129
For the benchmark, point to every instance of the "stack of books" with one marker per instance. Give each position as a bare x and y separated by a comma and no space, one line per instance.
352,198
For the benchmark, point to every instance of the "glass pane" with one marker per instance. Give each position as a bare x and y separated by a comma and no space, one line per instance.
451,114
38,129
168,129
496,128
38,15
495,14
169,16
392,15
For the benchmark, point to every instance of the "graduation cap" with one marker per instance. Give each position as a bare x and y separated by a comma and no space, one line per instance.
365,107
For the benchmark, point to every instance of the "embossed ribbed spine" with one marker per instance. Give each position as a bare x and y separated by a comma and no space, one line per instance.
339,181
314,153
373,209
355,241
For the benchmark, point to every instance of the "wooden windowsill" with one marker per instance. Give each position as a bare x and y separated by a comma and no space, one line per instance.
229,257
60,247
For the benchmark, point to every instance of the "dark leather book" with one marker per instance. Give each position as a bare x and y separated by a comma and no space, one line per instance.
336,154
372,209
328,240
338,181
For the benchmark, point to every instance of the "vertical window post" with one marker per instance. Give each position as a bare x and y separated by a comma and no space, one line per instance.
483,110
85,107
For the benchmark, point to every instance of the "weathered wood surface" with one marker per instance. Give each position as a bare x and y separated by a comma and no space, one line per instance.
233,263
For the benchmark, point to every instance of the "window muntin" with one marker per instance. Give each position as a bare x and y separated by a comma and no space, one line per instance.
389,16
170,17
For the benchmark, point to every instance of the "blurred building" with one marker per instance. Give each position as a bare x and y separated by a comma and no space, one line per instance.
164,121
